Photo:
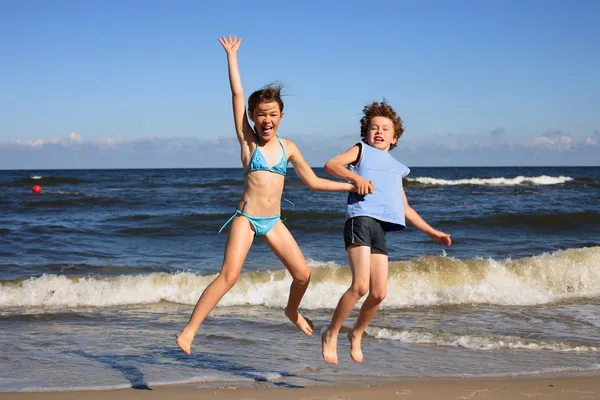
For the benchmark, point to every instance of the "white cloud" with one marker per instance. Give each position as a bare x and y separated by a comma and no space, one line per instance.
223,151
227,140
73,138
554,133
563,142
108,142
30,143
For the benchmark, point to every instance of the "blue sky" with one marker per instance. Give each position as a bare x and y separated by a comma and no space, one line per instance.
121,84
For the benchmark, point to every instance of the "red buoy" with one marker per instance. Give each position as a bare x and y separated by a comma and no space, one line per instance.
36,189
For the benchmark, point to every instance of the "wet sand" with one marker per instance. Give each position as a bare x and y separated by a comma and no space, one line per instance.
557,388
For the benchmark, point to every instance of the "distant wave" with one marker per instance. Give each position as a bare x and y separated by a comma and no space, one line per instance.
219,183
426,281
534,220
44,180
238,183
74,200
185,224
519,180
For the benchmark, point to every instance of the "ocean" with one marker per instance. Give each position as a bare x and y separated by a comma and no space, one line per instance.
100,271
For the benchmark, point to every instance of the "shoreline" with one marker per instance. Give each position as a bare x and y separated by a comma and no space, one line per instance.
577,385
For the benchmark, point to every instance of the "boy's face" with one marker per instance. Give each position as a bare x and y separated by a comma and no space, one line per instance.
266,118
381,133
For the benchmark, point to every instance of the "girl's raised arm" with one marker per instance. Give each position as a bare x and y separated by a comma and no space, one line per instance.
243,129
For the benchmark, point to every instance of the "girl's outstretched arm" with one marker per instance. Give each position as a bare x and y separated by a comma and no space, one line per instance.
242,127
312,181
337,167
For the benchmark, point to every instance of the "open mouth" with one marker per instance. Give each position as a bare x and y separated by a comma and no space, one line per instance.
267,129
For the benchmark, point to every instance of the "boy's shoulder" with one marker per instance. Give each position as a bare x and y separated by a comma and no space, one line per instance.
384,159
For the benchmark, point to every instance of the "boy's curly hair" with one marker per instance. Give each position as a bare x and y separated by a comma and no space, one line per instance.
380,109
269,93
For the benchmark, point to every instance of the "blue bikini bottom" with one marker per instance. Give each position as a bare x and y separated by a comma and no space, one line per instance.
262,225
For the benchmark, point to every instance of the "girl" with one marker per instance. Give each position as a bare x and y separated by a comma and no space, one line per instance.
264,157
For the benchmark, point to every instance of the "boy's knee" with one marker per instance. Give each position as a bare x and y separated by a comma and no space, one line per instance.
378,295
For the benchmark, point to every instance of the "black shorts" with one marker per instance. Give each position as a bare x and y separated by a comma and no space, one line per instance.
365,231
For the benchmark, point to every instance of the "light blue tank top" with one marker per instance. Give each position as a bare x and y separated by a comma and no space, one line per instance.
386,203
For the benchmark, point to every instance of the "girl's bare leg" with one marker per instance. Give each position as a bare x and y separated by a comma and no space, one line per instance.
237,247
359,260
284,246
377,292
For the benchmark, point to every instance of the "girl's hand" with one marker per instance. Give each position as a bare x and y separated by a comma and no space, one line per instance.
231,45
362,186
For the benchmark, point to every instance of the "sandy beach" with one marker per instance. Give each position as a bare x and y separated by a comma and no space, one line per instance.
558,388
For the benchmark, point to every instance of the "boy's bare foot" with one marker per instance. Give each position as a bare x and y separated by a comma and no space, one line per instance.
329,343
304,324
355,350
185,339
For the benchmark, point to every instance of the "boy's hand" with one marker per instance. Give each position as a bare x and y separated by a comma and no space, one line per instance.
231,45
362,186
440,238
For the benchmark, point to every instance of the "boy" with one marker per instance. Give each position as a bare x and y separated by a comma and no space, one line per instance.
368,218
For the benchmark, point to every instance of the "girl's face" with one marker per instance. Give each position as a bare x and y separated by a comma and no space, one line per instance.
266,118
381,133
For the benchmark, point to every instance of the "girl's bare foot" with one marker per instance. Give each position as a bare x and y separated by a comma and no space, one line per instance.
304,324
355,350
329,343
185,339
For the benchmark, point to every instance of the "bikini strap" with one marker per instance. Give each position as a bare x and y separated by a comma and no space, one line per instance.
229,220
282,147
235,214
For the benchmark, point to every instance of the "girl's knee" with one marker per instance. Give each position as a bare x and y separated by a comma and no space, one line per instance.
302,277
359,288
229,278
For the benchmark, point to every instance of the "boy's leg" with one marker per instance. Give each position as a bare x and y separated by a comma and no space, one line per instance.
377,292
359,260
237,247
284,246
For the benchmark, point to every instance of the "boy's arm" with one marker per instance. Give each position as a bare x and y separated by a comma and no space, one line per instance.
243,129
305,172
415,219
337,167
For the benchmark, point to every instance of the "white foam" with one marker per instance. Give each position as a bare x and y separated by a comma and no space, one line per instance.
424,281
476,342
534,280
519,180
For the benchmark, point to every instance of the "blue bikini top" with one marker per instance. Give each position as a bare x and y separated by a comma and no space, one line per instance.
258,162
